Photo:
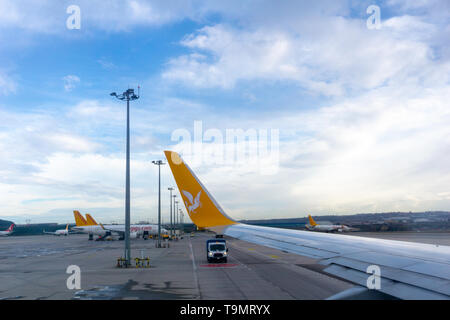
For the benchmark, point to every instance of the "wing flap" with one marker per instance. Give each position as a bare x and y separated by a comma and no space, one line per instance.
434,268
380,258
425,281
389,287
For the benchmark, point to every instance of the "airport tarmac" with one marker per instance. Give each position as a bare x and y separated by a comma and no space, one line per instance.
34,267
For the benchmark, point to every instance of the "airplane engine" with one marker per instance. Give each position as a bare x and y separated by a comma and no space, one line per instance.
133,235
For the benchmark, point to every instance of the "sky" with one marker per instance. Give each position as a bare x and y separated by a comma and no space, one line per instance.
345,113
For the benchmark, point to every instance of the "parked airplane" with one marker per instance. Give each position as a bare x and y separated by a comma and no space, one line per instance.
90,226
8,231
60,232
83,226
313,226
403,270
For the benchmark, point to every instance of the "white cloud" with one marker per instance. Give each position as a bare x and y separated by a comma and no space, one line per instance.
392,150
70,82
7,84
46,16
54,162
94,109
351,58
29,137
106,64
384,150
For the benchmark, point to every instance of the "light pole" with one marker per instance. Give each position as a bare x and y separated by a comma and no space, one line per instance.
179,219
128,96
170,189
182,219
174,197
175,216
159,163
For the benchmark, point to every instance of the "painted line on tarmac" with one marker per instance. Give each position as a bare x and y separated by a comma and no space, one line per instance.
255,252
219,265
194,267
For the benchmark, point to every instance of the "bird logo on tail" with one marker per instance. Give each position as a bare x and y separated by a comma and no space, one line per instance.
193,203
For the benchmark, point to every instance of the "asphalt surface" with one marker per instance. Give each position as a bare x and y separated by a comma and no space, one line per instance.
34,267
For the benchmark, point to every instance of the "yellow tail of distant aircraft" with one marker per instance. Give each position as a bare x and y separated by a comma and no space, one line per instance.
90,220
313,226
91,227
311,221
79,219
407,270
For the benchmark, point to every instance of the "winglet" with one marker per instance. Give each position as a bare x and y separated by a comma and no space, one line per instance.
311,221
203,210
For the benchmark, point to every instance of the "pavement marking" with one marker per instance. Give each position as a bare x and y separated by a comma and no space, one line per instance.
194,269
219,265
261,254
243,264
258,274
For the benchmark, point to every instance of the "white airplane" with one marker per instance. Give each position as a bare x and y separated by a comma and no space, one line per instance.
8,231
60,232
91,227
313,226
403,270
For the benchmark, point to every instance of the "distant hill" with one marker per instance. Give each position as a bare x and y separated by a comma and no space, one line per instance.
385,221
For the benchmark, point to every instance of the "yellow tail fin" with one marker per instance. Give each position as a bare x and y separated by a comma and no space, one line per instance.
90,220
311,221
203,210
79,220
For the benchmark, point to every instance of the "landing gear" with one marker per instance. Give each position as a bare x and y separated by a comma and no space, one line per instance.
91,236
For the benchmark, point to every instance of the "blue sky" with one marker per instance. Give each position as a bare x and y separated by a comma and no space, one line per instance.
362,114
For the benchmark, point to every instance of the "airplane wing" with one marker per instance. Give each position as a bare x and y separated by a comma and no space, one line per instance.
407,270
119,232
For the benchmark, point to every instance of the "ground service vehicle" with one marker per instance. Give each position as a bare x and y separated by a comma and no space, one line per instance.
216,250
